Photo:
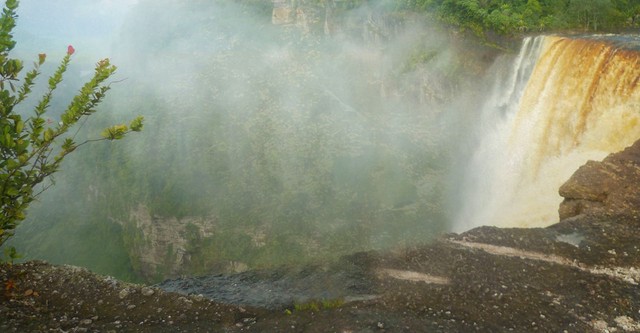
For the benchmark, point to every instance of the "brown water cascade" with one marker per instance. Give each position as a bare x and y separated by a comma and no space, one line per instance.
581,101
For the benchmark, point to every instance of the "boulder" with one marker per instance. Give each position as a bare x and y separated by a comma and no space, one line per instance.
604,187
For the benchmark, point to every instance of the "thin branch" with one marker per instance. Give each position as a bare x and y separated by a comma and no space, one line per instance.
118,81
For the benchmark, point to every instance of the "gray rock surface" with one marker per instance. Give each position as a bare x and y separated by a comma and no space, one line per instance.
608,186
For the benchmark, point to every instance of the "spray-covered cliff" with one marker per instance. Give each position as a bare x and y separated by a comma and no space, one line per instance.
338,129
579,275
265,144
565,101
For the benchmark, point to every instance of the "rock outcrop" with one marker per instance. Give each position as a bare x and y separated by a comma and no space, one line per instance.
159,246
282,12
604,187
304,17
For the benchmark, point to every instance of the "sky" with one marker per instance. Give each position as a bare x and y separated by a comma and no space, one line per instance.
89,25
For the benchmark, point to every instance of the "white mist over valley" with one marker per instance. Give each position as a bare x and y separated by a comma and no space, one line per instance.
277,136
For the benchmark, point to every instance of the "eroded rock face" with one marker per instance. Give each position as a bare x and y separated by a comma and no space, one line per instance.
162,243
305,17
282,12
604,187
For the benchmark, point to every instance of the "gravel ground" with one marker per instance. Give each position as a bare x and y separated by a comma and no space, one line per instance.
485,280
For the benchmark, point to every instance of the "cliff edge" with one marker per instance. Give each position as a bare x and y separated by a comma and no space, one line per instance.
579,275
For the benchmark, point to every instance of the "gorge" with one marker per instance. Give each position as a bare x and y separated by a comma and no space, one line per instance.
306,135
580,274
304,168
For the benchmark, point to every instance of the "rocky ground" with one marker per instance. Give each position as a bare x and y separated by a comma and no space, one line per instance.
580,275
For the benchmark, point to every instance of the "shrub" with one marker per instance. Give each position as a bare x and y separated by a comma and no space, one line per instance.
33,147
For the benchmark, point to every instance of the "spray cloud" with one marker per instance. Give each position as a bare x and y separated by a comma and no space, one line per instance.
263,144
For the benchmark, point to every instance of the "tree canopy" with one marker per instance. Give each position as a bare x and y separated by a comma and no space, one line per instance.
509,17
513,16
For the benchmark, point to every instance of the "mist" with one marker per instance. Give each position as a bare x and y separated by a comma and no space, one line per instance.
264,144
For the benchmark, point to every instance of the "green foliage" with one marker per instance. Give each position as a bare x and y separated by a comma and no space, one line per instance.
417,58
33,147
11,254
520,16
117,132
295,165
286,160
74,235
504,17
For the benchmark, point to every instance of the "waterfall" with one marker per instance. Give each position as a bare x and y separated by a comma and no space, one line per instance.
565,101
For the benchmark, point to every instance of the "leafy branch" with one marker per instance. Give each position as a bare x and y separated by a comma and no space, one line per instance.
32,149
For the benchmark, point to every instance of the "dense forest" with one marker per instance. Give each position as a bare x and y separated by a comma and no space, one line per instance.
502,16
509,17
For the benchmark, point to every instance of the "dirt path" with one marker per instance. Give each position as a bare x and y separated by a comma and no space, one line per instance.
413,276
627,274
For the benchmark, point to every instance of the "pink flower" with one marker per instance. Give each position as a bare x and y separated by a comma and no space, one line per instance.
70,50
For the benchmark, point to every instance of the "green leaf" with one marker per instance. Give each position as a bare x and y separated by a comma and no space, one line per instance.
8,141
68,145
21,146
12,164
48,134
115,132
12,191
137,124
12,4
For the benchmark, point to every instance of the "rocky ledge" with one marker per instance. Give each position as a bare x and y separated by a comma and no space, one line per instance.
579,275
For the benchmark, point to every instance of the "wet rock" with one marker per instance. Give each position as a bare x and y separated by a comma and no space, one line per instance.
607,186
280,288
